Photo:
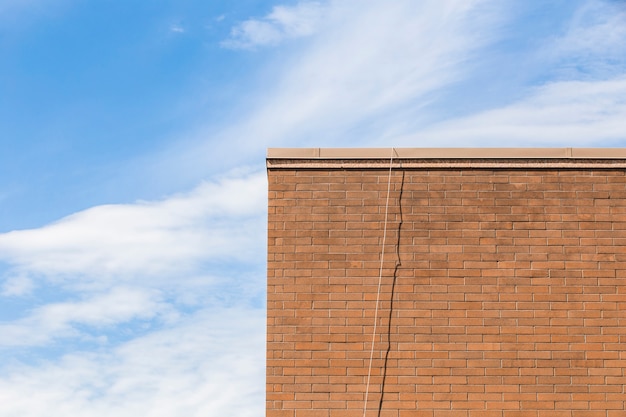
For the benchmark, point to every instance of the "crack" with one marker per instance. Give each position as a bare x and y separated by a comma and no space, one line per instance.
391,299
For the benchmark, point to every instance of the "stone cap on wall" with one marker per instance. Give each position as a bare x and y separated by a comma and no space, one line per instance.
344,158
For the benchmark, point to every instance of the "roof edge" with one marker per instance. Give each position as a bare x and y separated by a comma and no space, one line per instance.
445,153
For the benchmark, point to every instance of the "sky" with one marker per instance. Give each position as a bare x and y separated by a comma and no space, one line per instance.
133,189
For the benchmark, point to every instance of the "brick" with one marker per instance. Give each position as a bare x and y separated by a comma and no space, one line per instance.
507,301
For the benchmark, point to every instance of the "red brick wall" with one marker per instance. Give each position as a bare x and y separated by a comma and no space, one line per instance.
503,293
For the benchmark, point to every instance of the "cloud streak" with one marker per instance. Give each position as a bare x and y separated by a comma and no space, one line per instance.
281,24
117,264
383,75
58,320
216,221
569,113
594,44
374,65
201,367
367,77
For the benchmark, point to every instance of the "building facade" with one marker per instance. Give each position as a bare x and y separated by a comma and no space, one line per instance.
446,283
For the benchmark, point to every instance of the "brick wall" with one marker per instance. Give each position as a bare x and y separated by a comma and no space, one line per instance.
503,292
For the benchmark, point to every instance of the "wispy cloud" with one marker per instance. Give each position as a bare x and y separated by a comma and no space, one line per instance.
211,363
366,77
59,320
177,28
16,285
569,113
121,263
579,101
381,73
216,221
284,22
594,44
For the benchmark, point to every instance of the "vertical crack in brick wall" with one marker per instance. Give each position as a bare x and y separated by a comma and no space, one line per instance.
394,275
507,299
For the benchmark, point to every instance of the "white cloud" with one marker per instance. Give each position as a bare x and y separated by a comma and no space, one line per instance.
366,77
210,364
115,264
573,113
215,222
177,28
16,285
284,22
595,41
587,108
376,65
372,75
55,320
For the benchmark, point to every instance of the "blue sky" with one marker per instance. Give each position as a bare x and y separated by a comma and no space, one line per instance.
132,181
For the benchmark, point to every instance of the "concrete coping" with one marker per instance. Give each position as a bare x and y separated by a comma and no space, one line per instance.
368,158
446,153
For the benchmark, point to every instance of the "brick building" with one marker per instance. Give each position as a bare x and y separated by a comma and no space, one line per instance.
496,286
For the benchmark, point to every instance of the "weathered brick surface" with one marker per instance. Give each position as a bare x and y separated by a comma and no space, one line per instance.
503,293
